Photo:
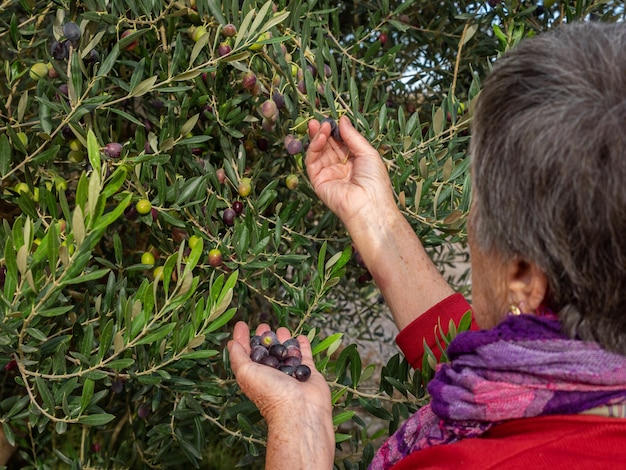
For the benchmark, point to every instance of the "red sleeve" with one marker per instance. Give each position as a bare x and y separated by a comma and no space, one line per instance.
425,327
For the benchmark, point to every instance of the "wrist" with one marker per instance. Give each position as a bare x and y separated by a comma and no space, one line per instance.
284,416
306,440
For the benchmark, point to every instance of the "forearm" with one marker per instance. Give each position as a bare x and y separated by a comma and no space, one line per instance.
302,443
394,255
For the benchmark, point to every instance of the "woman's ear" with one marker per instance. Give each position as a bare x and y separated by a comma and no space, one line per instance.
527,284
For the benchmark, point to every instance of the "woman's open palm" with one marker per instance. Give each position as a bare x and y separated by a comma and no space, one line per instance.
278,396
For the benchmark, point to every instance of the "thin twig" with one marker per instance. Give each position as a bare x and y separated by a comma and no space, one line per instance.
458,59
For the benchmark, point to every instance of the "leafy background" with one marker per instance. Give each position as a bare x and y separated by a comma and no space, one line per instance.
109,363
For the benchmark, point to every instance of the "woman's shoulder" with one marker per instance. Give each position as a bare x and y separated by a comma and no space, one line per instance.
557,442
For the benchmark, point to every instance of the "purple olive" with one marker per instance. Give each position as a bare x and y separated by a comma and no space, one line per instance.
270,361
238,207
131,213
279,99
143,411
92,57
59,50
334,129
258,353
292,342
249,80
269,339
294,147
67,131
255,341
224,49
289,370
229,217
229,30
302,373
268,125
71,31
269,109
278,351
64,92
293,351
292,361
113,149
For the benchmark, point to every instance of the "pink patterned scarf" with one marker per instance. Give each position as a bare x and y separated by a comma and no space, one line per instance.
524,367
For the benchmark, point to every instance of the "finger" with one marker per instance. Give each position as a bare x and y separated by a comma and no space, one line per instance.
318,141
262,328
241,333
314,158
353,138
314,127
283,334
251,377
325,129
238,356
345,125
323,151
305,349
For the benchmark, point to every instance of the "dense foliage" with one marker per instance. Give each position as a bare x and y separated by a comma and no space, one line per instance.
153,192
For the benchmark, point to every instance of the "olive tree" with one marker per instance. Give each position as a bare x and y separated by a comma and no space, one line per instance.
153,192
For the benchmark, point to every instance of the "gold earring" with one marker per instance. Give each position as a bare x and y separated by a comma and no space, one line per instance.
514,310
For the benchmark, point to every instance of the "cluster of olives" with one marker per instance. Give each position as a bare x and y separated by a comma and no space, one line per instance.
60,50
286,357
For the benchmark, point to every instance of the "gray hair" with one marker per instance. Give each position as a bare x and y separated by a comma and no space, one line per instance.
549,171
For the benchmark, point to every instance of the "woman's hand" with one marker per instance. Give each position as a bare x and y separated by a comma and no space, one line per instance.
349,176
298,414
351,179
276,394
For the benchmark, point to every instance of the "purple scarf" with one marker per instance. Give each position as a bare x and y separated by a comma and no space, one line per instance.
523,367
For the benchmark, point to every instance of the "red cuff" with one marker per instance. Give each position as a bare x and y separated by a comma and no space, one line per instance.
411,338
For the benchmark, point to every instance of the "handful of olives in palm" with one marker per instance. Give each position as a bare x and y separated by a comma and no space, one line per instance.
286,357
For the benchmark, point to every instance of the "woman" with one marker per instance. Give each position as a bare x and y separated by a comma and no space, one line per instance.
543,383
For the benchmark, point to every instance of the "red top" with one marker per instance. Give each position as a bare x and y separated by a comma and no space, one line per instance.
557,442
576,442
